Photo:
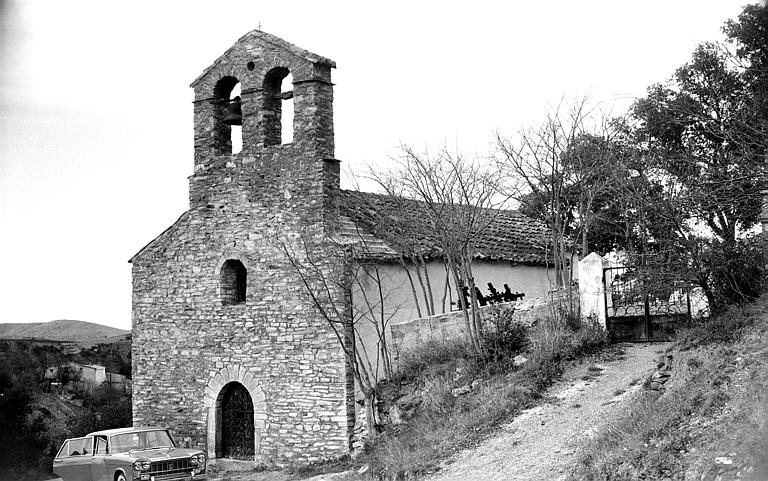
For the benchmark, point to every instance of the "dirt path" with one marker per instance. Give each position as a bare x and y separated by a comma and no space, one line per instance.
541,443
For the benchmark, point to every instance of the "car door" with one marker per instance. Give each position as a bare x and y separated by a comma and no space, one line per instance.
73,462
99,471
59,467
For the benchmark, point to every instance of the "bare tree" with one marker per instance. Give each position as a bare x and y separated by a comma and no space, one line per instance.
457,199
596,169
535,163
565,172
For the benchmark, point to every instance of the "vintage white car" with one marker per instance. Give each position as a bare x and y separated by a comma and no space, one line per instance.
128,454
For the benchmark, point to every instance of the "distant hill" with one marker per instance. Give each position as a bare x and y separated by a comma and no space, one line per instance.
62,330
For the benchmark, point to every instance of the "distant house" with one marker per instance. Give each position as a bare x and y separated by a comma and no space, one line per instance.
92,374
86,375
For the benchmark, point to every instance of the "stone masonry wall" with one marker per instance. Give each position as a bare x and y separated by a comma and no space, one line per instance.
183,336
187,345
451,325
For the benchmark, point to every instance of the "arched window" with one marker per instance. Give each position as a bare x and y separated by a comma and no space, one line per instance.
234,279
278,106
226,135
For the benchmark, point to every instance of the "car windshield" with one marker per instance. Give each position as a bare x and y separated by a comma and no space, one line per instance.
122,443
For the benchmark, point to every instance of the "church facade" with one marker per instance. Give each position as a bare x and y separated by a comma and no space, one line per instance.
227,350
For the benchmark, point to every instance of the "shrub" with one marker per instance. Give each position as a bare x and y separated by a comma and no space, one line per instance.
107,409
414,362
589,338
553,340
737,272
503,337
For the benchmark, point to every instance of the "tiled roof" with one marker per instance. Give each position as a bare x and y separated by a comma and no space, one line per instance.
391,224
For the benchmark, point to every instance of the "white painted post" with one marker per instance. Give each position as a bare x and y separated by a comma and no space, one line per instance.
591,289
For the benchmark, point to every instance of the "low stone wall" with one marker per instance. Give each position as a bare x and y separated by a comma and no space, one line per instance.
451,325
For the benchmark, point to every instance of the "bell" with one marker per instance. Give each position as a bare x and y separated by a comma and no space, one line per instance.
234,112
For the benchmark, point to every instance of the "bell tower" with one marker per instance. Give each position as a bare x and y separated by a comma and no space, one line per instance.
228,350
270,166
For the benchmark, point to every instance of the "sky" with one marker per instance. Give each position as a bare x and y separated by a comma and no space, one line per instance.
96,109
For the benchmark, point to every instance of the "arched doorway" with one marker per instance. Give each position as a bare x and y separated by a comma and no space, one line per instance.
235,435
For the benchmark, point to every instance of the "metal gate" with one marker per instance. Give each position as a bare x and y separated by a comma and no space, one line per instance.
237,429
641,307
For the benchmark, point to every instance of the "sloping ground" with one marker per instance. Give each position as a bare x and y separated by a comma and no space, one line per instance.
60,330
540,443
710,422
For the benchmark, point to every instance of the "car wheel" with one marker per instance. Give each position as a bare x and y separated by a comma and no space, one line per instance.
120,477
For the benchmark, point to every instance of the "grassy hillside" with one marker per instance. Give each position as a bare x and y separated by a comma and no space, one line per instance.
61,330
711,420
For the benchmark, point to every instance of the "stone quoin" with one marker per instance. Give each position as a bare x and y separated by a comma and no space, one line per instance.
228,351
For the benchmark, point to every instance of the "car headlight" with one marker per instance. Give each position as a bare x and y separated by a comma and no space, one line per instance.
201,459
141,465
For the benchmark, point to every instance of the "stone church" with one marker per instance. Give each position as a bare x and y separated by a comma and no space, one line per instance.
226,349
229,351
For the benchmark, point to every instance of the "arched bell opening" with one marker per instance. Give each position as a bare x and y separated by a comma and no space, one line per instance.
235,433
234,118
228,116
278,108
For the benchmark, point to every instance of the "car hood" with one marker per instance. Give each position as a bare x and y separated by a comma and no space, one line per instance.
162,454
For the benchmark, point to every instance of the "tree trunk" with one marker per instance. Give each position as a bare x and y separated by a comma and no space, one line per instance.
413,287
430,300
713,307
464,307
447,292
475,304
370,415
423,290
